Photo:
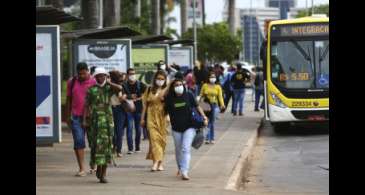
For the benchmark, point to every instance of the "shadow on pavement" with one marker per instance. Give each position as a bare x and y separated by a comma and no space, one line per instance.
303,129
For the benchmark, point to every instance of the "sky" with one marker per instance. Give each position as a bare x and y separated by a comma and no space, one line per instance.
214,10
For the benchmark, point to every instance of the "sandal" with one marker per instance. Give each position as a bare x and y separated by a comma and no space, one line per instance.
80,174
92,171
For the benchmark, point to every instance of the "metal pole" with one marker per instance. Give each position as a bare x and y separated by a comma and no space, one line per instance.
250,31
306,7
100,14
312,7
194,26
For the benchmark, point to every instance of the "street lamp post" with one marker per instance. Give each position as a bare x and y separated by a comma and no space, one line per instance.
100,14
194,27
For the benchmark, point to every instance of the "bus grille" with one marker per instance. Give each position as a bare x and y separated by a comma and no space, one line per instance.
304,114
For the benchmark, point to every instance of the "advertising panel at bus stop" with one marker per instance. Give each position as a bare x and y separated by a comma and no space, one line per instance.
145,57
182,56
48,99
112,54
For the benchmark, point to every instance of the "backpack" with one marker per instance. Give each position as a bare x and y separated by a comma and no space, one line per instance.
72,84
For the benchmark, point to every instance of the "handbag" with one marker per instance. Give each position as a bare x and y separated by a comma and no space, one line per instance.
198,139
197,120
128,106
205,105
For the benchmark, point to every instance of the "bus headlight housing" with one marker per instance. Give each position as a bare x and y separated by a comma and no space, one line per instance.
278,101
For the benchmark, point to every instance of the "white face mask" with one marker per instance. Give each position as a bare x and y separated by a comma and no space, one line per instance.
132,77
160,82
101,85
212,80
163,67
179,89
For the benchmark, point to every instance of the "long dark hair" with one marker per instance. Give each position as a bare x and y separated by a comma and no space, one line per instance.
154,87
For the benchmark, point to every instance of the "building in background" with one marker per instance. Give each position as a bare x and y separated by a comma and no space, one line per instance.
275,3
252,24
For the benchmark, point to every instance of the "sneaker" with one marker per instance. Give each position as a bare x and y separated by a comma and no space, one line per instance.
207,142
256,110
130,152
185,177
119,155
212,142
241,114
138,151
235,114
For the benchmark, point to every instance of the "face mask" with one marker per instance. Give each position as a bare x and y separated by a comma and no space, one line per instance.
212,80
179,89
163,67
160,82
101,85
132,78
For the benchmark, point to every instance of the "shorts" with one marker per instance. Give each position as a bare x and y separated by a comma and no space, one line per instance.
78,133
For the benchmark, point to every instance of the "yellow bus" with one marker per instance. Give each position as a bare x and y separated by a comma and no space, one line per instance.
296,80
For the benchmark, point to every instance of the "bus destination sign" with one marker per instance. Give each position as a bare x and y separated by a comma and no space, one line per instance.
302,30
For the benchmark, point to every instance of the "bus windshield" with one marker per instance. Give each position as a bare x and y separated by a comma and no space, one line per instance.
300,64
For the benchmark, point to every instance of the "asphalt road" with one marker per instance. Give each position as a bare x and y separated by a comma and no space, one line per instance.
296,161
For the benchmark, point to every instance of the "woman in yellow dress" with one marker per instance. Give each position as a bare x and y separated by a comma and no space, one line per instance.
156,121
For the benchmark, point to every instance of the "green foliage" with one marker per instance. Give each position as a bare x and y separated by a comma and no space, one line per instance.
321,9
216,43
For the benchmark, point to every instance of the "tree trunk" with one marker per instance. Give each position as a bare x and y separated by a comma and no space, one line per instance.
137,8
89,12
162,16
231,16
111,13
155,17
183,14
55,3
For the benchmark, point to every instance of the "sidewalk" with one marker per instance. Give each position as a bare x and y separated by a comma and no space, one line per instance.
211,165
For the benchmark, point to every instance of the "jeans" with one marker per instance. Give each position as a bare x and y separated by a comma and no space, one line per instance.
239,95
136,118
119,117
227,96
212,117
183,141
78,133
145,133
258,94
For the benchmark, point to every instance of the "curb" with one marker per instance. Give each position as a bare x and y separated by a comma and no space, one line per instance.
242,164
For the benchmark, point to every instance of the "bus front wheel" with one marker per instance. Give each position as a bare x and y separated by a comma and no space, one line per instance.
280,127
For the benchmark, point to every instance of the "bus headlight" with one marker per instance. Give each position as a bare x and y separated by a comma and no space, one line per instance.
278,101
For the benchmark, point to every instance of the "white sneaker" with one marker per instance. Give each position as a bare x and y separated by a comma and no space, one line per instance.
130,152
185,176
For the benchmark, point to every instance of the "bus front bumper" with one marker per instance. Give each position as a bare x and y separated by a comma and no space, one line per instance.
278,114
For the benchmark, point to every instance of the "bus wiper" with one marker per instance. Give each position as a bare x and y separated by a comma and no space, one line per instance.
305,55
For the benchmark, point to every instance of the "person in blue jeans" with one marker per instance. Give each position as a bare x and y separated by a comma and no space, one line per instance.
238,81
134,90
179,102
259,89
119,115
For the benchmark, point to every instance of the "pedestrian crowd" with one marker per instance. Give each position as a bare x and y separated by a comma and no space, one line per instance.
104,106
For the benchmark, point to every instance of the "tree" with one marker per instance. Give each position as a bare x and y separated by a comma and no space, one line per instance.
89,12
231,15
321,9
216,43
111,13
